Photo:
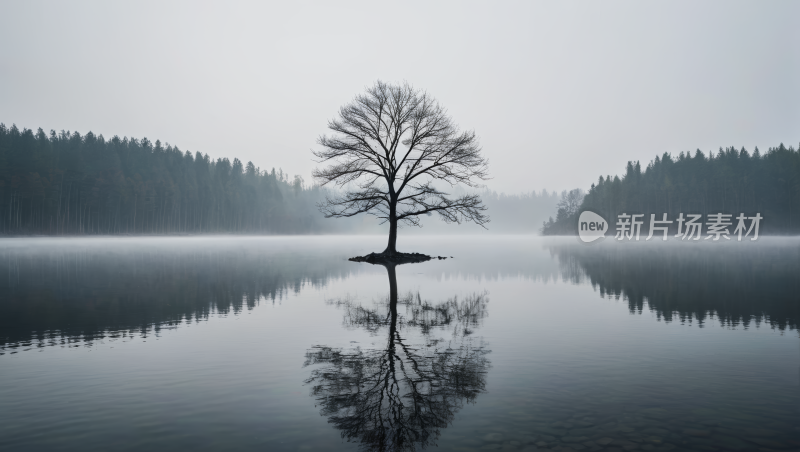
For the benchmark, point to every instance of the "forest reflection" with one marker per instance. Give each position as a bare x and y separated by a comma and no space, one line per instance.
71,292
400,395
70,295
730,284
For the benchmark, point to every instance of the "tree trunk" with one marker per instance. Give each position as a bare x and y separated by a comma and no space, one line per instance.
391,248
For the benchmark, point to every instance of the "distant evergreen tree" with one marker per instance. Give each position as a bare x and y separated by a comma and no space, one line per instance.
730,182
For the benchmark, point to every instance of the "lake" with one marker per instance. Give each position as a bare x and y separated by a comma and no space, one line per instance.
514,343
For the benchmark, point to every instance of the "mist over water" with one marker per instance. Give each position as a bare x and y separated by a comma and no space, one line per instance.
242,342
178,219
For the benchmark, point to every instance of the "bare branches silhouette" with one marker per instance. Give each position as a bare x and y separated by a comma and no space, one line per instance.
388,147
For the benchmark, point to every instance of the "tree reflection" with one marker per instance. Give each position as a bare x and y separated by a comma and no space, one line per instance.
400,396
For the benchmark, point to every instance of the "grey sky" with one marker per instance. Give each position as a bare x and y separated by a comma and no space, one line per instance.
559,92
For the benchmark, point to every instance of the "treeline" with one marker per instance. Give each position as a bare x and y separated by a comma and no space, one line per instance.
732,181
66,183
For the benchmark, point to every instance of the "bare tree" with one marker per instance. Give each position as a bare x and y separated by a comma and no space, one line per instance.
388,148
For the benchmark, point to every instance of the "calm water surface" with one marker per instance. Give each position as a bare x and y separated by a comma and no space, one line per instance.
516,343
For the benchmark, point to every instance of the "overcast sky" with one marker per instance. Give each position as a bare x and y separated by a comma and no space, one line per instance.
558,92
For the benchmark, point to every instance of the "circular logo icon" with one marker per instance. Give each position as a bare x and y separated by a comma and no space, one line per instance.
591,226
